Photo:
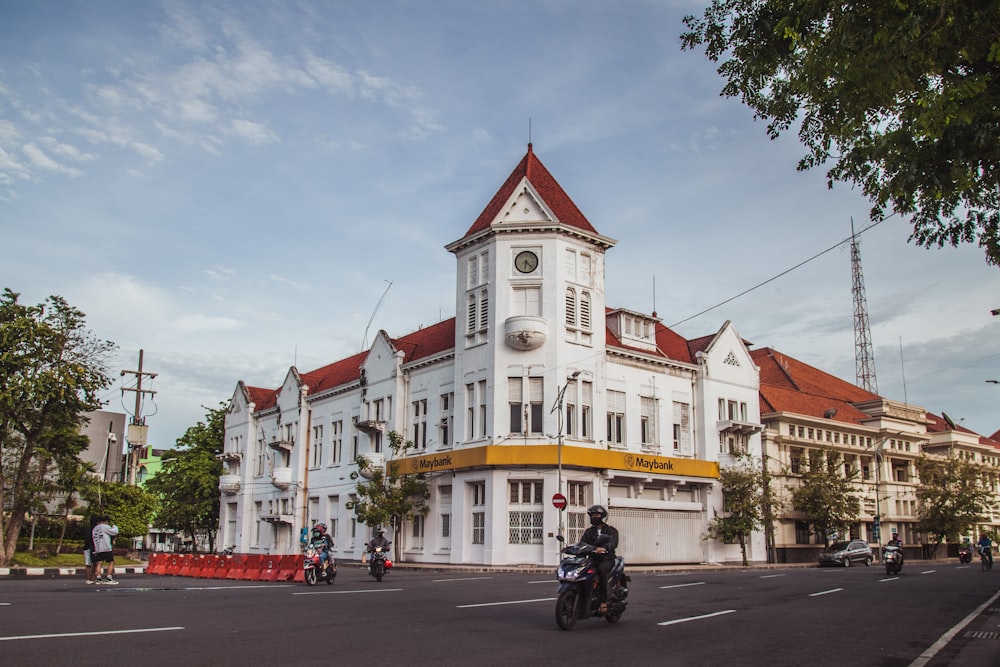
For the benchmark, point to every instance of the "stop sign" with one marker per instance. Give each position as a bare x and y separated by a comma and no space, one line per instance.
559,501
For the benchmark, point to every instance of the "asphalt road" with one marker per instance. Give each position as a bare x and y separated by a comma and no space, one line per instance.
798,616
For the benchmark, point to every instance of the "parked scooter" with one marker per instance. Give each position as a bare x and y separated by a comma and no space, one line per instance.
578,582
380,563
965,554
893,557
314,569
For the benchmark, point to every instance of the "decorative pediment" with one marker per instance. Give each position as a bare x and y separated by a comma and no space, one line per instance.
525,206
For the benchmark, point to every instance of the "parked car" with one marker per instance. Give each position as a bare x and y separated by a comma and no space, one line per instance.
845,553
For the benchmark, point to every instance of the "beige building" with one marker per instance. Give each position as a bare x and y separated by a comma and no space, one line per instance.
805,409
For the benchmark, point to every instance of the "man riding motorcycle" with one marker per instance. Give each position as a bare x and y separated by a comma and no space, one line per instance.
378,541
323,543
605,553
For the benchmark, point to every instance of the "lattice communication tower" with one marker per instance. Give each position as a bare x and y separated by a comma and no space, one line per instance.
864,359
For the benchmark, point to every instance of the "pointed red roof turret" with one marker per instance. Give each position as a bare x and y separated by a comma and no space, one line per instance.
530,168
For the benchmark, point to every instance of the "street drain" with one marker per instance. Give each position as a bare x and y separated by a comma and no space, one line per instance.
977,634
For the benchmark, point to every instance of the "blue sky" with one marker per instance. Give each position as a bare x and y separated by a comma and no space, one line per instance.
231,186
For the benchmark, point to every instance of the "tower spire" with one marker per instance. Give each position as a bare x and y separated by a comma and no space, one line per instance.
864,362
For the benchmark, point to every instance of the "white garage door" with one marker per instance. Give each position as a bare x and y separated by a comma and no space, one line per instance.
659,536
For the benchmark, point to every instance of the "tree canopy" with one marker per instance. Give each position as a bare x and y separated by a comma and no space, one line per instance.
903,97
390,497
827,497
52,370
131,508
951,497
188,482
743,507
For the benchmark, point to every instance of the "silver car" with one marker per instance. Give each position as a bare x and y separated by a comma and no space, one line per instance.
845,553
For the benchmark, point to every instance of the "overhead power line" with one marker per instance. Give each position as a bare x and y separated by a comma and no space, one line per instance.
783,273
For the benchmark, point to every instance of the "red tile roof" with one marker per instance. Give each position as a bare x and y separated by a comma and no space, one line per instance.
532,169
423,343
789,385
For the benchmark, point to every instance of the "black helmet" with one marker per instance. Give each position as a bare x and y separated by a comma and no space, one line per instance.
598,510
379,532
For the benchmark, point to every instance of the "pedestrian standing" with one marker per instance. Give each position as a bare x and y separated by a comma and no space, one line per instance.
104,533
90,565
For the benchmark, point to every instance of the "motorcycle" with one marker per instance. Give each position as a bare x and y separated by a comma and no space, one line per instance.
578,581
986,558
893,557
380,563
965,554
314,568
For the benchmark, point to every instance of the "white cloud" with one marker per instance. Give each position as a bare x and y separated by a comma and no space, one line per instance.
39,159
253,133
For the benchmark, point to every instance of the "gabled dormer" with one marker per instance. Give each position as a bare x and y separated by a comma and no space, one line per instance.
633,329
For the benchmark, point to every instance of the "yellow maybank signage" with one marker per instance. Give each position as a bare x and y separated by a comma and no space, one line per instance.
548,455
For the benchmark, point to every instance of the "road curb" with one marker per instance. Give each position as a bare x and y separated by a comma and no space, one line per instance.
52,572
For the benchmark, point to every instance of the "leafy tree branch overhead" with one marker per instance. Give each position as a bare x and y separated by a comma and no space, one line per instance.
903,98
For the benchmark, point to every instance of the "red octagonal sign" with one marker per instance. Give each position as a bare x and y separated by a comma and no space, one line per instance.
559,501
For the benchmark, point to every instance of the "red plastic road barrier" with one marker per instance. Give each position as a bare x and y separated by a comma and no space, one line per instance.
290,566
221,569
174,563
157,563
270,567
251,571
189,564
207,566
237,566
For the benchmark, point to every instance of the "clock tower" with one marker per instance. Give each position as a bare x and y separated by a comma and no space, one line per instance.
530,303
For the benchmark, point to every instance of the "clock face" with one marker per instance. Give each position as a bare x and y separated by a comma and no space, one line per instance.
526,261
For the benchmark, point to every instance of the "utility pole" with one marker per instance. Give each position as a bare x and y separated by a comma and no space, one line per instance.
137,429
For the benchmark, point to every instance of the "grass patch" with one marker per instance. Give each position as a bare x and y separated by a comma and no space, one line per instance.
29,559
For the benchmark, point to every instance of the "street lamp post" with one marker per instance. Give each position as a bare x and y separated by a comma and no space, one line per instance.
558,407
878,492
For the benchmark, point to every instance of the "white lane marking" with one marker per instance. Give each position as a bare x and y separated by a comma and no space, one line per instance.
772,576
545,581
889,579
929,654
675,574
368,590
495,604
697,618
90,634
4,604
928,572
462,579
696,583
832,590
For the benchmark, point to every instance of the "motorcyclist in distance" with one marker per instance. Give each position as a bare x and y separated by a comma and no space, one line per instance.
985,546
378,541
896,542
322,542
604,553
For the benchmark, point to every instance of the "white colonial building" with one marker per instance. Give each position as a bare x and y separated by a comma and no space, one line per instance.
538,387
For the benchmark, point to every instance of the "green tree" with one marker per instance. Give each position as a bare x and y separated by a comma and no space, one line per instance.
951,497
743,494
52,370
72,477
131,508
390,497
826,496
903,97
188,482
